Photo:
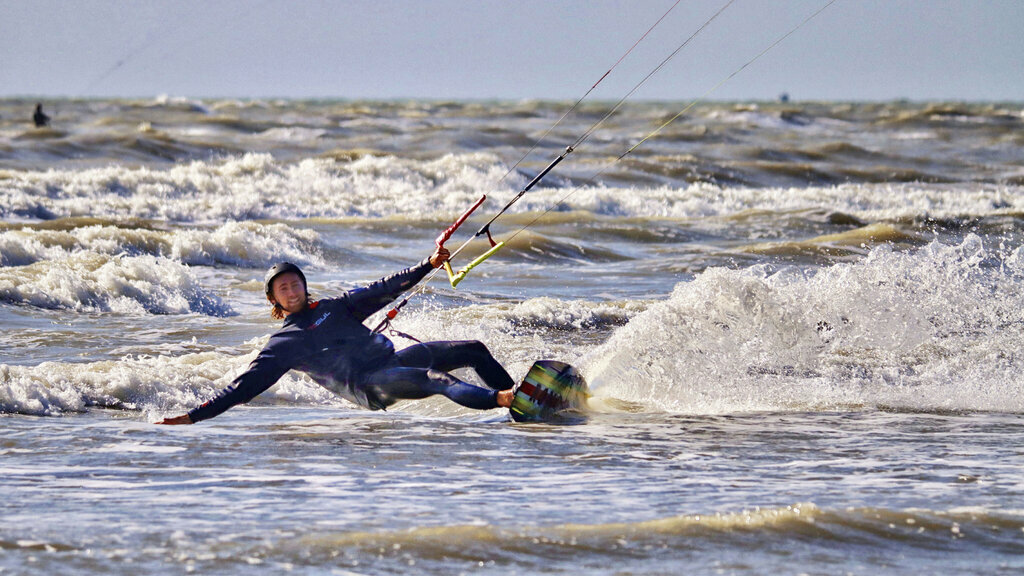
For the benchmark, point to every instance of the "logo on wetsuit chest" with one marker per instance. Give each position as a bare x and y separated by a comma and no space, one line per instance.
319,321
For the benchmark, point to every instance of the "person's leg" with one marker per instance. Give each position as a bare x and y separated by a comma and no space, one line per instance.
450,355
395,383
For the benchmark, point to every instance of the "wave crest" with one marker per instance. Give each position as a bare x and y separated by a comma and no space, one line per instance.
249,244
155,384
87,281
256,186
935,329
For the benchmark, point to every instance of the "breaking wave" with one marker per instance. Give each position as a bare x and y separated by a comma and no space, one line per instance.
247,244
256,187
154,384
936,329
92,282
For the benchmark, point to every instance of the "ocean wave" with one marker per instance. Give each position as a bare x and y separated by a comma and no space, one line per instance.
573,315
294,134
866,202
255,186
934,329
88,281
954,114
249,244
518,334
725,144
531,246
887,539
252,187
848,245
177,102
593,548
522,332
157,385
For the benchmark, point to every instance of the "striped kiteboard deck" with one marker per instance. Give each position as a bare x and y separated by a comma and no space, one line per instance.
549,387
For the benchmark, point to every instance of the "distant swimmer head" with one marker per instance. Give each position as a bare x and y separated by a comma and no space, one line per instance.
285,286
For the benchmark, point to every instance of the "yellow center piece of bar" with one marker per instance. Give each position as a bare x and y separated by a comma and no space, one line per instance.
455,277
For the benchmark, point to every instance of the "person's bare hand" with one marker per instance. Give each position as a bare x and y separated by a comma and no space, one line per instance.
183,419
439,257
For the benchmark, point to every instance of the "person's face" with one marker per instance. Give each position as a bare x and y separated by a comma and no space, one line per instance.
288,291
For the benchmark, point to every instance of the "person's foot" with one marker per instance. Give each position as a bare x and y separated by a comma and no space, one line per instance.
505,398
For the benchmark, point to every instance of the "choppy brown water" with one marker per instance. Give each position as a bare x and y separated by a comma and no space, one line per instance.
802,324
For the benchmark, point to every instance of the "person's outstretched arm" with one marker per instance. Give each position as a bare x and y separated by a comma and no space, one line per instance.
263,373
365,301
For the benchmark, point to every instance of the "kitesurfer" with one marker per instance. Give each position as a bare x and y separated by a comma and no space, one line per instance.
41,120
327,340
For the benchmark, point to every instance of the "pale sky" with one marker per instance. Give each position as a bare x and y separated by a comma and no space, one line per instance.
510,49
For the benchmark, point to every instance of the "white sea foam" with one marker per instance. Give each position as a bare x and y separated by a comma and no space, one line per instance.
575,315
255,186
937,328
866,201
517,334
934,329
293,134
252,187
88,281
155,384
236,243
181,102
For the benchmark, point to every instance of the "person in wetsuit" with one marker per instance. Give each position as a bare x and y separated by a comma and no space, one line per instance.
39,118
326,339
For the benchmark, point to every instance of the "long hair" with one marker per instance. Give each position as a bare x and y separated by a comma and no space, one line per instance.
278,313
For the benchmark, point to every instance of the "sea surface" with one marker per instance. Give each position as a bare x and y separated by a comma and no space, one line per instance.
802,324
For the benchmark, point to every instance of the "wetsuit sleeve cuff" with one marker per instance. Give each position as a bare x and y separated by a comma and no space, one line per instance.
196,414
206,411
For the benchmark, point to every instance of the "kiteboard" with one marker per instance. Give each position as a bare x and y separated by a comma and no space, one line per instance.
549,387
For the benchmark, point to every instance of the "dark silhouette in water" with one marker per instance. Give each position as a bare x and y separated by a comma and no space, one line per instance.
39,118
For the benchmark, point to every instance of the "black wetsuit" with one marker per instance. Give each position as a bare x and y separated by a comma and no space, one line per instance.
329,342
39,118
